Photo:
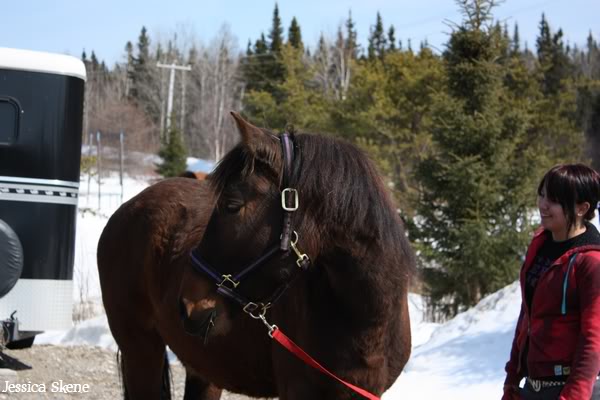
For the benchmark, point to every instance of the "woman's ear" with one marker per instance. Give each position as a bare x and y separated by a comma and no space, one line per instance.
582,208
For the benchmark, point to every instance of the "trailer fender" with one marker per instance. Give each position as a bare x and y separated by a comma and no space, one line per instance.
11,258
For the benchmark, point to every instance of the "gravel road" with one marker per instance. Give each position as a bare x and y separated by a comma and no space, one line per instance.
81,365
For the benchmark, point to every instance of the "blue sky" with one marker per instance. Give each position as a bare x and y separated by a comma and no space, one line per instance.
69,26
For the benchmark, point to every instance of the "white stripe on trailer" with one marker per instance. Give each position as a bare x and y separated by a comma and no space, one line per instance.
38,188
41,304
35,198
49,182
34,193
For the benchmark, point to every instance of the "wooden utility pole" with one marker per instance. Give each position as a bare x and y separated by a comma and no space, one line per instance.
172,67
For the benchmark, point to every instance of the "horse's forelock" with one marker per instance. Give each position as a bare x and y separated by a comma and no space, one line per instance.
243,160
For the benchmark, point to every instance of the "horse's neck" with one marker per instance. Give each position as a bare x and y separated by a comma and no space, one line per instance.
359,284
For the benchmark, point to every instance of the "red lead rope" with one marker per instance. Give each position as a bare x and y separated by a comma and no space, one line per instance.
301,354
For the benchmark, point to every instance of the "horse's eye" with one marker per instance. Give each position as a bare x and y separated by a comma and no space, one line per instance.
233,206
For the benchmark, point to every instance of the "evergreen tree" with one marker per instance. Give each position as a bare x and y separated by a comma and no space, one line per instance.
294,35
173,153
477,13
516,41
94,60
351,37
140,70
478,184
391,39
377,40
129,52
257,66
159,55
143,46
592,58
276,33
264,70
553,59
260,46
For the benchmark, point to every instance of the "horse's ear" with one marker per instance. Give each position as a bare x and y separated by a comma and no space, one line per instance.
248,131
256,139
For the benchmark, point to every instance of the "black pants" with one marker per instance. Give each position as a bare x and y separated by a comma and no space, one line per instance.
552,393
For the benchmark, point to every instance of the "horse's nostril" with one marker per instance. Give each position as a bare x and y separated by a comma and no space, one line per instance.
197,323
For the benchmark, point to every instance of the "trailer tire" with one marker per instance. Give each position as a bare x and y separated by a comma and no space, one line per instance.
11,258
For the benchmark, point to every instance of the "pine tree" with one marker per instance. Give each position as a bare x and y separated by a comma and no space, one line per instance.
129,52
143,46
173,153
140,66
377,40
553,58
260,46
516,41
351,37
294,35
257,65
477,185
94,61
276,33
391,39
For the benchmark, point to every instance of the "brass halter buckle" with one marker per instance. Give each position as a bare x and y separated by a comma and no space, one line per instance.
227,278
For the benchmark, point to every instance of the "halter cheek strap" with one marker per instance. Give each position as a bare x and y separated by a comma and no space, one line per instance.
287,193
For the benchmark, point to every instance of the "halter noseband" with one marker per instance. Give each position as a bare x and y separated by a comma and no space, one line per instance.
226,283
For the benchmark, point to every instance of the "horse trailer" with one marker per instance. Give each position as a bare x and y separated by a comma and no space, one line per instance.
41,111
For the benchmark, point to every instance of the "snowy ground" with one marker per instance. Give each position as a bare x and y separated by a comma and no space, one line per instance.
461,359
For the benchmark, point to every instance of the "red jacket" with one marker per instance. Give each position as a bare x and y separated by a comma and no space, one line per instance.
563,324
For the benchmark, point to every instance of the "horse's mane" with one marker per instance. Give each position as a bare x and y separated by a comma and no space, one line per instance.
348,187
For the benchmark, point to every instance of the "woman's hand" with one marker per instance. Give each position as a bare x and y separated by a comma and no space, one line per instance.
511,392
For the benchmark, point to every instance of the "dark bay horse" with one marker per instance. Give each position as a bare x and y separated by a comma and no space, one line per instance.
348,308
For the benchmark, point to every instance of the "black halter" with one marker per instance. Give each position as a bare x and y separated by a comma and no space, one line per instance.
226,283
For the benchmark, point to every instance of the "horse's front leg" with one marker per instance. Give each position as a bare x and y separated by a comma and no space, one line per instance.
197,388
145,367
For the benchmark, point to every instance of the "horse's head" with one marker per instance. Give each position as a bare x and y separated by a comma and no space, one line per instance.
242,250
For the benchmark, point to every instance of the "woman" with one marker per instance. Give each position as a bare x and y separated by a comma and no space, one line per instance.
557,339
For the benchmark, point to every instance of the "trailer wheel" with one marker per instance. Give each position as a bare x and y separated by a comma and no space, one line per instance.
21,344
11,258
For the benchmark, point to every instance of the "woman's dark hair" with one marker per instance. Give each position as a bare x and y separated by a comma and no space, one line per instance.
571,184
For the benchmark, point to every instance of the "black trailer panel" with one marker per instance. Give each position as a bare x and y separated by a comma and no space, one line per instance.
48,127
41,110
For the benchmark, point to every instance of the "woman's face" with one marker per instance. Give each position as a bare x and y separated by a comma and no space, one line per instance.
553,216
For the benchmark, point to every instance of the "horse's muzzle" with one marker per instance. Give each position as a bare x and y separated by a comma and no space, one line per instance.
197,323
